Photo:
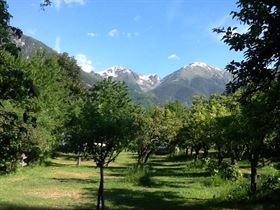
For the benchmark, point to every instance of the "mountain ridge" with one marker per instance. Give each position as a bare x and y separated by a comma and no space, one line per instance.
182,84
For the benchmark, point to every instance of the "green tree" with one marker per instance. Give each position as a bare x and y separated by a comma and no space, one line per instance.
257,75
158,127
7,32
16,88
108,125
194,134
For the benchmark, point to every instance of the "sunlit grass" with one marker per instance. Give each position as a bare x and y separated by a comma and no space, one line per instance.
168,184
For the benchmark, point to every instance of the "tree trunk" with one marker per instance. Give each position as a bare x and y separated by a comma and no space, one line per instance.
148,155
196,153
79,159
100,199
139,158
187,151
220,157
254,163
192,152
205,151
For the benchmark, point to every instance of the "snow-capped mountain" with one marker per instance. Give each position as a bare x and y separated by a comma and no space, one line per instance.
114,71
195,70
183,84
193,79
132,79
148,82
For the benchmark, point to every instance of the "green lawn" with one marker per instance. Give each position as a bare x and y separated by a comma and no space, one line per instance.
173,185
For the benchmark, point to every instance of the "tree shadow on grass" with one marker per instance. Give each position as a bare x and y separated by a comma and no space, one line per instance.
121,199
171,172
75,180
11,206
54,164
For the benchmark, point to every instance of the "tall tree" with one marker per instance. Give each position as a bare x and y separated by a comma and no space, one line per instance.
108,125
258,73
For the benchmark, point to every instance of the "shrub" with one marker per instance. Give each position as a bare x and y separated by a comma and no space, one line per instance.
241,191
213,181
139,175
225,170
269,183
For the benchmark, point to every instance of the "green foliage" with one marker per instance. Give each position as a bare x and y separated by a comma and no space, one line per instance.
224,169
108,120
12,132
157,130
139,175
15,89
240,191
260,45
269,184
7,31
15,84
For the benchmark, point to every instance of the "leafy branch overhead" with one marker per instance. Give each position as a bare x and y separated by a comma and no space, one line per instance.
260,45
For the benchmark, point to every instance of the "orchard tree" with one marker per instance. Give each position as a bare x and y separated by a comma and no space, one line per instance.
221,111
194,131
16,88
143,143
257,75
157,133
108,125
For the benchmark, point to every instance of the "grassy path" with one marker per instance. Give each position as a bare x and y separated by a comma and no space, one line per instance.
173,185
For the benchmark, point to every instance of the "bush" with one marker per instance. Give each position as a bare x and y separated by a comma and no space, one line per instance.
213,181
196,164
139,175
225,169
269,183
241,191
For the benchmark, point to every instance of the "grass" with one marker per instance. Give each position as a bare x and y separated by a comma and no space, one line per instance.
168,184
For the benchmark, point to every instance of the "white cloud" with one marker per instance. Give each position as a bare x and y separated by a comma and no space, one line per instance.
58,3
84,63
81,2
57,44
92,34
173,57
137,18
114,33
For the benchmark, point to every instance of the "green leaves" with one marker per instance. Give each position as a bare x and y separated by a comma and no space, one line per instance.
260,45
108,120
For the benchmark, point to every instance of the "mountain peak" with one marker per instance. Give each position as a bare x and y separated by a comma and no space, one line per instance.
202,65
198,64
114,71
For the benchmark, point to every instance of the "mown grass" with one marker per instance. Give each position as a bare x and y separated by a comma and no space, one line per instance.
168,184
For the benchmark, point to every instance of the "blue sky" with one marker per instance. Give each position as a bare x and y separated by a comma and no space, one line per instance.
148,36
